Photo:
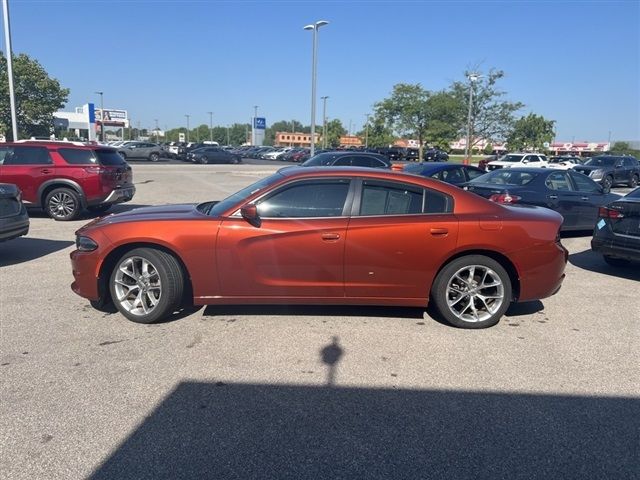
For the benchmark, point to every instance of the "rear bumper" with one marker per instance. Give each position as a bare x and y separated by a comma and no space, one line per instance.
625,248
541,270
118,195
14,227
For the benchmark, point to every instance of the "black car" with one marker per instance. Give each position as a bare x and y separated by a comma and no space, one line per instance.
453,173
610,170
617,234
212,154
14,220
435,155
576,197
348,159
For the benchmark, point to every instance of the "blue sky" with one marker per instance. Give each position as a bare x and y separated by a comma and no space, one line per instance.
576,62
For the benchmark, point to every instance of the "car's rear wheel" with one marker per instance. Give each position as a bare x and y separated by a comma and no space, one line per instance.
154,157
616,262
62,204
472,292
146,285
633,183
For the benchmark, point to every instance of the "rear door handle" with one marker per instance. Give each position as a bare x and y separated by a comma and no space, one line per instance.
331,236
584,198
45,170
439,232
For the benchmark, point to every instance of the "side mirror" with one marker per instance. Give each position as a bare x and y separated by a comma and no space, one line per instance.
250,213
525,161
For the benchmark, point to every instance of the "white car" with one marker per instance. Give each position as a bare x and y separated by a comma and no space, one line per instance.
519,160
564,163
275,153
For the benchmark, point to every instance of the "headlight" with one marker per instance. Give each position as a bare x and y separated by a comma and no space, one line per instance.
85,244
597,174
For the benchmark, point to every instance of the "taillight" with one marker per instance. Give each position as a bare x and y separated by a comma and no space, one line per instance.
504,198
604,212
95,170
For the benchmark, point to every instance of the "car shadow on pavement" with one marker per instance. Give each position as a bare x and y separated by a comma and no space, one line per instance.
315,310
227,430
524,308
592,261
24,249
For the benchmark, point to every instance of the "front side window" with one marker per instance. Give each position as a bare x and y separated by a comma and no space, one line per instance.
324,198
25,156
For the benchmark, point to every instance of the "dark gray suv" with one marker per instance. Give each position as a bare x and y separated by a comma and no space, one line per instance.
611,170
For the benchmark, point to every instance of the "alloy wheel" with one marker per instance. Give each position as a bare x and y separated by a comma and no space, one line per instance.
475,293
61,204
137,285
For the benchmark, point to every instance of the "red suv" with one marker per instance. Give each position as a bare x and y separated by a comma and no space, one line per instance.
63,178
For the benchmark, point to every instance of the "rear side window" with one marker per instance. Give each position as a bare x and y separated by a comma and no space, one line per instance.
25,156
76,156
400,199
109,157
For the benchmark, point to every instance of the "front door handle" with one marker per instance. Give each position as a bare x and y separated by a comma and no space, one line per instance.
330,236
584,198
552,197
439,232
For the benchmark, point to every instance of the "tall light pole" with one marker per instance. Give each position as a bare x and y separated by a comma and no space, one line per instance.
253,125
12,95
314,27
187,116
228,142
366,131
101,115
210,126
157,131
324,121
473,77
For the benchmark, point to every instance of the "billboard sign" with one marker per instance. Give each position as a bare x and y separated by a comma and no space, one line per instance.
116,118
260,123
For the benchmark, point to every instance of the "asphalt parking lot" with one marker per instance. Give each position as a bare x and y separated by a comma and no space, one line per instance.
307,392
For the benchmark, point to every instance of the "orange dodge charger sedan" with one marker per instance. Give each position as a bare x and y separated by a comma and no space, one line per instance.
319,236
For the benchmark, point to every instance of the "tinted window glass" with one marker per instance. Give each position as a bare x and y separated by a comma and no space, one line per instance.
75,156
343,162
506,176
306,199
474,173
583,183
27,156
601,161
109,157
386,199
558,181
454,175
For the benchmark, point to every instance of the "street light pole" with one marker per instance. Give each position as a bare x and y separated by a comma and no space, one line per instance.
253,125
157,131
366,132
12,95
210,126
324,121
314,62
188,116
473,77
101,115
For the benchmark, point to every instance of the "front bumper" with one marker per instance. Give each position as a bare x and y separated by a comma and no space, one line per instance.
14,227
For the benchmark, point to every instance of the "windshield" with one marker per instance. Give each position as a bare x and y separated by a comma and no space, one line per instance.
634,194
512,158
220,207
601,162
320,160
506,177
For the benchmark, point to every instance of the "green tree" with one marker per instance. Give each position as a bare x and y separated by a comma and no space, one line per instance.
37,95
380,134
407,111
335,130
443,119
492,117
623,148
531,132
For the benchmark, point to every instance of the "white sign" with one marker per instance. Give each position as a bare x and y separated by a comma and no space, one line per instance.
181,137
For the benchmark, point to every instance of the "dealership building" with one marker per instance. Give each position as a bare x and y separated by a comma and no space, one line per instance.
87,121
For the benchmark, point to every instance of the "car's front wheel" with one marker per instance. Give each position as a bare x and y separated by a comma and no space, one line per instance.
472,292
62,204
146,285
633,183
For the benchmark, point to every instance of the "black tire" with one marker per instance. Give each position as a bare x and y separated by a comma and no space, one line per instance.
62,204
607,182
203,160
616,262
169,285
460,315
99,208
633,183
154,157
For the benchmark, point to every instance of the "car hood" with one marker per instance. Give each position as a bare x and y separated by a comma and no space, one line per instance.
589,168
185,211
